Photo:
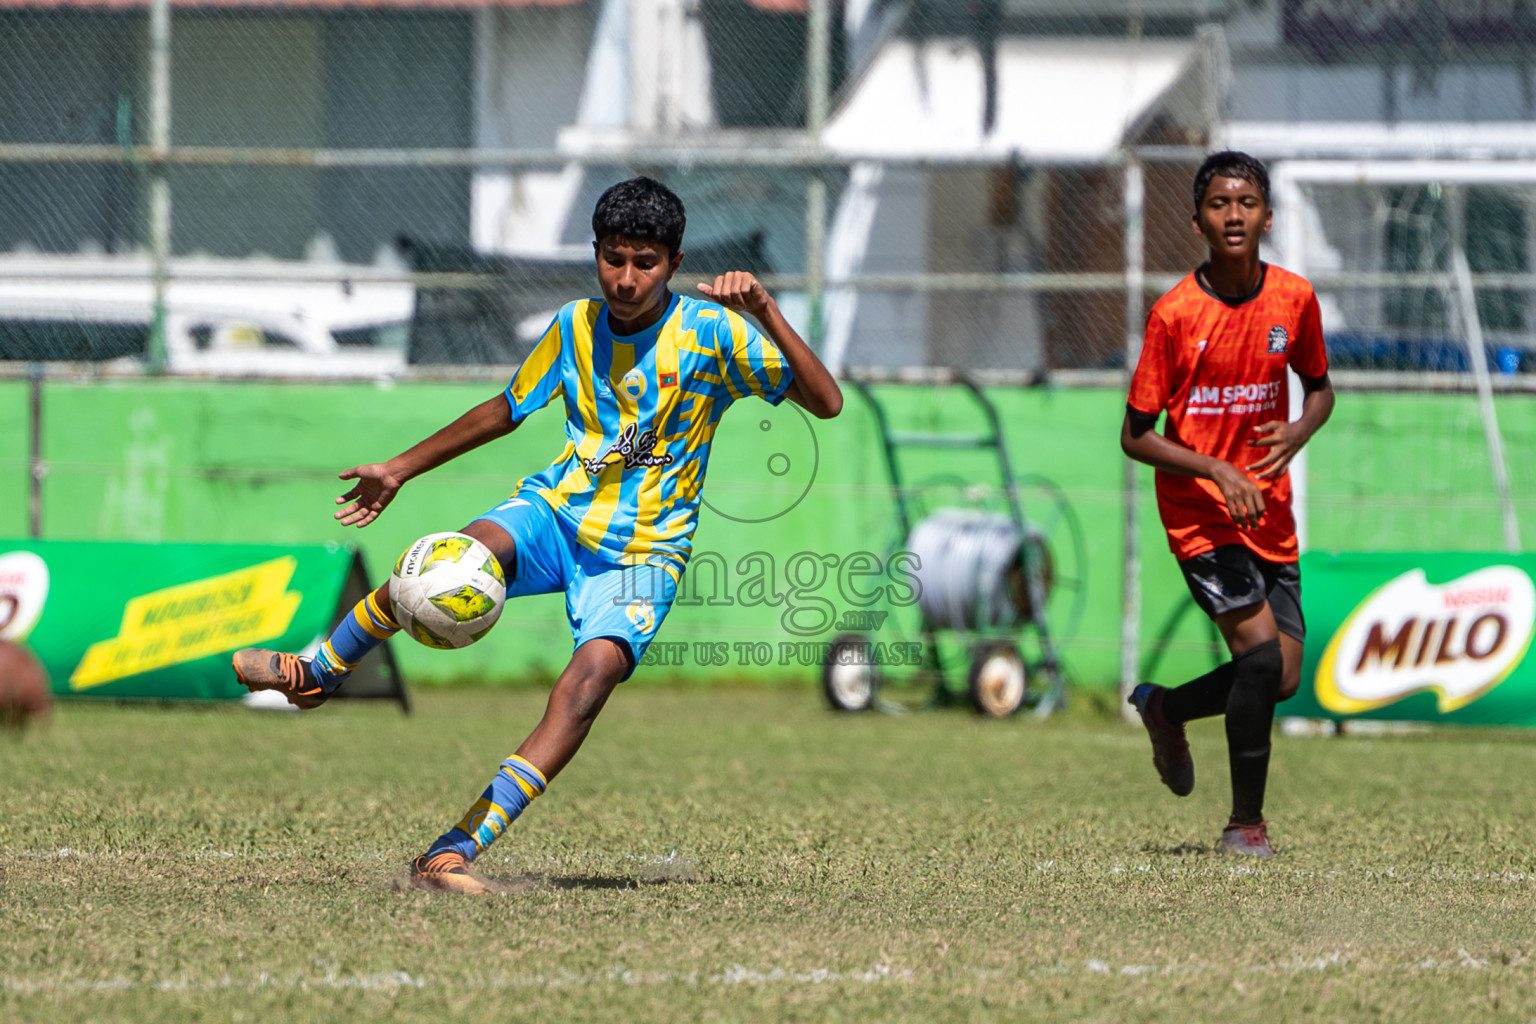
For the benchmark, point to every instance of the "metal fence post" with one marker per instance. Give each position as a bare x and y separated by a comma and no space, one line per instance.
35,469
159,182
1135,283
818,61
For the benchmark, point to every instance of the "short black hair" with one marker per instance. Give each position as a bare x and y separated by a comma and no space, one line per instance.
1229,163
642,209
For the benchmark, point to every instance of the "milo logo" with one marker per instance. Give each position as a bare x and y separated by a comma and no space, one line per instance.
1458,640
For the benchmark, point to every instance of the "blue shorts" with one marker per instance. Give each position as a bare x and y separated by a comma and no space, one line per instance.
622,603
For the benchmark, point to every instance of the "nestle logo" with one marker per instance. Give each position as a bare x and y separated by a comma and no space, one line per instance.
1476,596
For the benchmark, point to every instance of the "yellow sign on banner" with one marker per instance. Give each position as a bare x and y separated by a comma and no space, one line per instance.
194,620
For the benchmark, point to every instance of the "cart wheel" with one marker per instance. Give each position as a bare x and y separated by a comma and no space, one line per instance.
997,679
848,676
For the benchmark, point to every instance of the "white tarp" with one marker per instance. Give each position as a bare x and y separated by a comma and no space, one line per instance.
1057,100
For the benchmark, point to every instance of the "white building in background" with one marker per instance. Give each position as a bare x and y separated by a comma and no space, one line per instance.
975,187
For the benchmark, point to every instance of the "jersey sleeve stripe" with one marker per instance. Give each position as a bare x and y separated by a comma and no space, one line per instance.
537,381
586,397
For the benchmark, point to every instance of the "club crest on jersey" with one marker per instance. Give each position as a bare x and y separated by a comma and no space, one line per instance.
642,614
634,448
1278,339
633,383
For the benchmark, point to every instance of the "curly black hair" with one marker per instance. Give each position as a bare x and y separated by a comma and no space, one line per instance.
1229,163
642,209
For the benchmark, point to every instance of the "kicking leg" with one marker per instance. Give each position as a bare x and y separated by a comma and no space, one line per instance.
578,696
307,682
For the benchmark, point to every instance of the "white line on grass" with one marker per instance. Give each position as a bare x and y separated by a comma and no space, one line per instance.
736,974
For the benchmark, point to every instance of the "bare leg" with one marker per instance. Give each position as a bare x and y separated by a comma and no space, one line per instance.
579,694
1290,677
1247,627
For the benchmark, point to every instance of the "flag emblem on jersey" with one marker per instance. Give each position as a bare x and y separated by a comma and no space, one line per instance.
1278,339
633,383
667,380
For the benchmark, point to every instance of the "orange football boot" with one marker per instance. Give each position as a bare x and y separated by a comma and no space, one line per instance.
288,674
445,871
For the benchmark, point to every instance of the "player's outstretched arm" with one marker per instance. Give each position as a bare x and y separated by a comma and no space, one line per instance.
1245,501
813,387
1284,439
379,482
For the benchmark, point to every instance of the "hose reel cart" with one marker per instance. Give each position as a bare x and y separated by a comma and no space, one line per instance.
987,575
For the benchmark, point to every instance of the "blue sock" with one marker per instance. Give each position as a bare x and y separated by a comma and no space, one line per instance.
360,632
515,786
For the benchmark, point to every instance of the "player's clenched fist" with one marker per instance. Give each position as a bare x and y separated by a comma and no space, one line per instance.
739,290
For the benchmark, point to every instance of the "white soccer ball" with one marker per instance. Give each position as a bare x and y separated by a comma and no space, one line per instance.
447,590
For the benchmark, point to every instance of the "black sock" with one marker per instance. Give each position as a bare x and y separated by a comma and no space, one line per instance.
1250,716
1201,698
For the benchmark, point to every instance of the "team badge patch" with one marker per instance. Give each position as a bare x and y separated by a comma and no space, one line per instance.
642,614
633,383
1278,339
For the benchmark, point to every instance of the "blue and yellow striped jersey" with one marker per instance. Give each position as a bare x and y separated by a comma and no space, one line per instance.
641,412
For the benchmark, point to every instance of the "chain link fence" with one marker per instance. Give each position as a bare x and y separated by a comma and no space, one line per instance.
340,188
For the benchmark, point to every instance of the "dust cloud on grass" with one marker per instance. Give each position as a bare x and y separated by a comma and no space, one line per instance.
642,871
747,855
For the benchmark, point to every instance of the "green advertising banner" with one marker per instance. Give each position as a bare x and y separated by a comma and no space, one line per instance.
160,621
1419,637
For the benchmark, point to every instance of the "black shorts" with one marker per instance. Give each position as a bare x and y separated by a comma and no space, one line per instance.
1232,577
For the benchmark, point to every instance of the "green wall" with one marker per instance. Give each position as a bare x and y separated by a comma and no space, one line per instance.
257,462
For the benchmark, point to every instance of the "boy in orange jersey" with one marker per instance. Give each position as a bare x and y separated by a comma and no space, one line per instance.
1215,357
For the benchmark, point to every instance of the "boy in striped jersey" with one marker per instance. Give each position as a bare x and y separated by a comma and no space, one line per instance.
644,376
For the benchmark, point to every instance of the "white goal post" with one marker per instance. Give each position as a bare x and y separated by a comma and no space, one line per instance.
1302,237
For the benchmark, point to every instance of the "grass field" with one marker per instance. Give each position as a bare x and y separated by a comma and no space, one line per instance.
746,855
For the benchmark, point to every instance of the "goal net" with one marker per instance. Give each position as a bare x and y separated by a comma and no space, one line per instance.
1424,274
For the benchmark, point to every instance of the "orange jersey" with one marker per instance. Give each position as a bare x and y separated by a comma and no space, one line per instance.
1218,369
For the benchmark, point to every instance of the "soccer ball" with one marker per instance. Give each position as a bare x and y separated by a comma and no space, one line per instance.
447,590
